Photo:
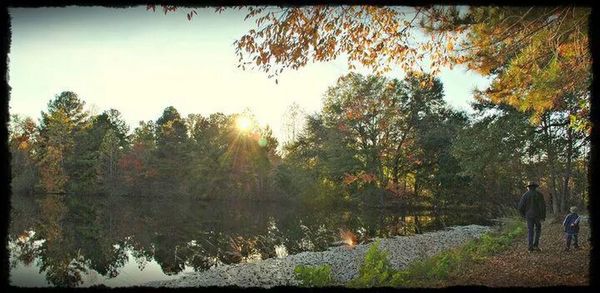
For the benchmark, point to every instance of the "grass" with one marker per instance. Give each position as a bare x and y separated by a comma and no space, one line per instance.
438,268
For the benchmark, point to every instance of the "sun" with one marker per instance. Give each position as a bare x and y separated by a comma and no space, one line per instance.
243,123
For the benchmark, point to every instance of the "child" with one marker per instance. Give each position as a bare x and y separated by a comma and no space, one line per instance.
571,224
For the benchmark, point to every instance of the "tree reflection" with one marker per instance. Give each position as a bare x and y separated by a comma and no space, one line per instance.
63,264
24,248
73,236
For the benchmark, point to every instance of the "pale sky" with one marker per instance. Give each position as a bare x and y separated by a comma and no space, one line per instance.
140,62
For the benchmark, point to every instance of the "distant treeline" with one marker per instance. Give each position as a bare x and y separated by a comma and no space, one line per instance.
376,141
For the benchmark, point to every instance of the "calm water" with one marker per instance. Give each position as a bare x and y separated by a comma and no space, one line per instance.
82,241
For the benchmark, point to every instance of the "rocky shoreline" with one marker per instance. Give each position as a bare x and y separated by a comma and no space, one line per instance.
344,261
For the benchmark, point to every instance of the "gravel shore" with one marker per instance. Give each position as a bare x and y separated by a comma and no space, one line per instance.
344,261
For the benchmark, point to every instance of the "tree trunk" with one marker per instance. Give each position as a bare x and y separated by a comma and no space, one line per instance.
568,168
381,181
395,179
551,164
416,191
397,156
417,224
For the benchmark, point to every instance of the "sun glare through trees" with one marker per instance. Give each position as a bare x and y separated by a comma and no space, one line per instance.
244,124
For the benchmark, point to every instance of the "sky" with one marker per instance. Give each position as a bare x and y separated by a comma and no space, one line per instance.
140,62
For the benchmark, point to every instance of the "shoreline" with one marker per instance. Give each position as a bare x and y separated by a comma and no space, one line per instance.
344,261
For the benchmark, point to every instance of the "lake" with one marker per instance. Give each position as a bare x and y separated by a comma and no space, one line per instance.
69,240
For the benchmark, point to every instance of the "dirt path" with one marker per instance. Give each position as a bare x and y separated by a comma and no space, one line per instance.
518,267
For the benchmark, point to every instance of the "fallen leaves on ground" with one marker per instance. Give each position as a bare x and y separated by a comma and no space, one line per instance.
518,267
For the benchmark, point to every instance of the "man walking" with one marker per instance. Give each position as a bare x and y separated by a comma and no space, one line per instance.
533,208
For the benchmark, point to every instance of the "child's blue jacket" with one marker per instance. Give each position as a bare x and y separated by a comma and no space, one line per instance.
571,223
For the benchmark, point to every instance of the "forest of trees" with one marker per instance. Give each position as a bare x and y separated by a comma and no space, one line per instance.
524,52
74,152
376,141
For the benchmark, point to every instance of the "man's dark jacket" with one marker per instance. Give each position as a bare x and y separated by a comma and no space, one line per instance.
532,205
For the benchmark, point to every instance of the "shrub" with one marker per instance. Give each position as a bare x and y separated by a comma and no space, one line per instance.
376,270
314,276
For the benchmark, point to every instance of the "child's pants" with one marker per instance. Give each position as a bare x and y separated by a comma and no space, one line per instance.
574,237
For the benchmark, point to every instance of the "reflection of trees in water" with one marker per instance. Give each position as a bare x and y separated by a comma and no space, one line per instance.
63,264
96,233
52,211
63,269
76,239
24,248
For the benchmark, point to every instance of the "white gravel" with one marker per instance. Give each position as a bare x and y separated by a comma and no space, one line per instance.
344,261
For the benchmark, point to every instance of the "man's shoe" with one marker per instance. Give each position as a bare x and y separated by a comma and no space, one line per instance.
530,249
566,249
537,249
